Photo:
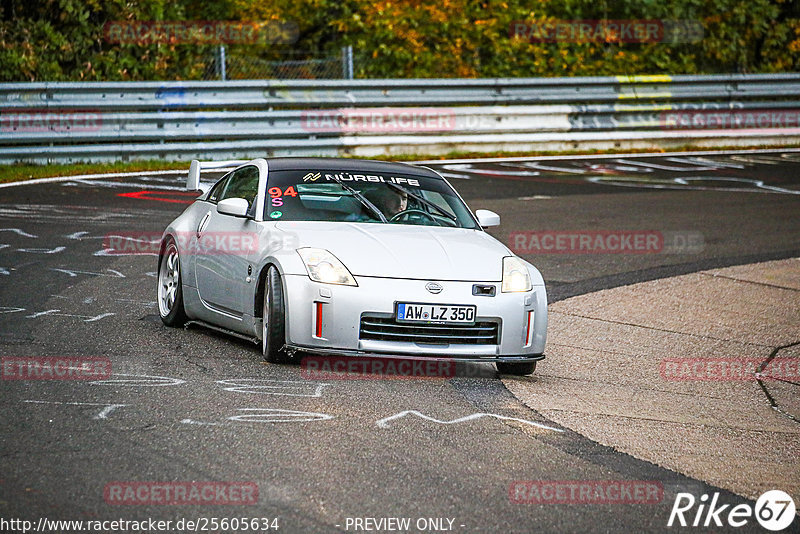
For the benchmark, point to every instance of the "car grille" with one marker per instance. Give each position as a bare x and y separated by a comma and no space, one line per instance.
384,328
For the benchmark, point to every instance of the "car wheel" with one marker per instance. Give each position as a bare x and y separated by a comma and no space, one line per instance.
273,330
170,290
520,369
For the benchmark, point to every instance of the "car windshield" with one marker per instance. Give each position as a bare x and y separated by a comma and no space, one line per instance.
304,195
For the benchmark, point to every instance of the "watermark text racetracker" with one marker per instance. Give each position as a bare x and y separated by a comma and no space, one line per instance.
147,32
54,368
380,120
365,368
729,369
181,493
189,243
50,120
721,119
399,367
608,31
390,120
606,242
586,492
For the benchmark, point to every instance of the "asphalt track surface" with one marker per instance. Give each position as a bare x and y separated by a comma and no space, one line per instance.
194,405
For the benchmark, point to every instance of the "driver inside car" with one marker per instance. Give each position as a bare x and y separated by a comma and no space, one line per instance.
389,202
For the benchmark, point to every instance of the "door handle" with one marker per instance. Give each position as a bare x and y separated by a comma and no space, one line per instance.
203,223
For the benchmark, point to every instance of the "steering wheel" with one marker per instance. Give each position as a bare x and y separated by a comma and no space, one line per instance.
406,213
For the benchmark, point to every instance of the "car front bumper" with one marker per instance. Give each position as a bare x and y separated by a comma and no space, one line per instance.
327,319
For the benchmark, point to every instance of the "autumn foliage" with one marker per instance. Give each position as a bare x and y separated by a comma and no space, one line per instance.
64,39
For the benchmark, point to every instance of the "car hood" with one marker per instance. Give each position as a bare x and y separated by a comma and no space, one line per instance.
405,251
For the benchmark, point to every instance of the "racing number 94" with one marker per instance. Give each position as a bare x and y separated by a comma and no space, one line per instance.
276,194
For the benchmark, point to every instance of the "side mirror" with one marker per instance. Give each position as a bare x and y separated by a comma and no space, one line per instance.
487,218
236,207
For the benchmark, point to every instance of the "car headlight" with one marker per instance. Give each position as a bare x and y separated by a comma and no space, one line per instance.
516,277
322,266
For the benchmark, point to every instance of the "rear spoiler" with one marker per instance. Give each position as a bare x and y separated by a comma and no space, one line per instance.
193,179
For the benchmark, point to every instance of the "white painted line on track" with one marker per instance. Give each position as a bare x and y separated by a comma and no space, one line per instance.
277,415
265,386
611,156
55,250
266,415
427,162
73,273
59,179
139,380
384,423
79,177
19,232
103,414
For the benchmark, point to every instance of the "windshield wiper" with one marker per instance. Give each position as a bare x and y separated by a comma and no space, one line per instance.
361,198
422,200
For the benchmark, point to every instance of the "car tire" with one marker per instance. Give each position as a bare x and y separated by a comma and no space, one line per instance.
170,286
513,368
273,329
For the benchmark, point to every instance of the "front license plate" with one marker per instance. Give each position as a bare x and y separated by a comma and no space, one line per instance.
414,312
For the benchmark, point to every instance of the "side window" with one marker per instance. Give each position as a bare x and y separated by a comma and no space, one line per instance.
436,198
213,196
243,183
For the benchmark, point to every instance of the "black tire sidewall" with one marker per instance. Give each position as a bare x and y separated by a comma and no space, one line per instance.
276,328
177,315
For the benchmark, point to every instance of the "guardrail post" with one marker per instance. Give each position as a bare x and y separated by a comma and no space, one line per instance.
221,63
347,62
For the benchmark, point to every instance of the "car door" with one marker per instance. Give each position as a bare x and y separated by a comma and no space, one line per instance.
189,241
223,245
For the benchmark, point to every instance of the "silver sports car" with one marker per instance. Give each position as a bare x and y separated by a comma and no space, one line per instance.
350,258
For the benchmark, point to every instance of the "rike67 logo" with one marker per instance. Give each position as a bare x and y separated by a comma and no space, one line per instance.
774,510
